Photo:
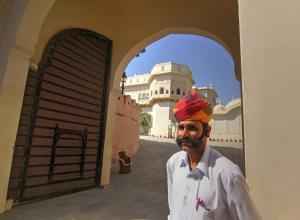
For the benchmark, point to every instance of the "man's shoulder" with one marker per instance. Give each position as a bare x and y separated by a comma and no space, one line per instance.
178,156
223,166
229,173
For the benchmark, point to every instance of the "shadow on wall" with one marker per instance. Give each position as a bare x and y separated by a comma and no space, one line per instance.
126,129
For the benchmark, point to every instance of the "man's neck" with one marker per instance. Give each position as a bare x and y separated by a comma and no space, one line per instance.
195,157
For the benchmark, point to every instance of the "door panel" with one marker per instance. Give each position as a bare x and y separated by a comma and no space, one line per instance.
59,143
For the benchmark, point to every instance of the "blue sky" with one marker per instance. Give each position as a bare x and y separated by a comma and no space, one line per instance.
209,62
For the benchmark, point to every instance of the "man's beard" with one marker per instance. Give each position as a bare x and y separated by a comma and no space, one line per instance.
194,143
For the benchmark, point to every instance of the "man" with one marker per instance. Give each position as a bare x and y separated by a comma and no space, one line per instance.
202,184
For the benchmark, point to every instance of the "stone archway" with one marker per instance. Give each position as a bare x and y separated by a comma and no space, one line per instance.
265,58
164,32
131,54
37,26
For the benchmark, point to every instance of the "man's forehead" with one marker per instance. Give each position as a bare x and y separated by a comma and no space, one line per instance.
189,122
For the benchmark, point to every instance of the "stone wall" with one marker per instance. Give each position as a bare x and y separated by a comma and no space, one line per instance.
126,129
227,122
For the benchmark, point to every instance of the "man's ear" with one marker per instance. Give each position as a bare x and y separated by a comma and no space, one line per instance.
207,131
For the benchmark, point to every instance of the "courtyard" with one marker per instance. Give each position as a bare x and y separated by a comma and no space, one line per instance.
141,194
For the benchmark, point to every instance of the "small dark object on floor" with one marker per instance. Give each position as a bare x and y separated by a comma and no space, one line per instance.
125,162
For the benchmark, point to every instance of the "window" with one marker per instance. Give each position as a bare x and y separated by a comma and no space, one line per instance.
144,96
161,90
151,93
178,91
155,92
140,96
167,91
183,93
172,92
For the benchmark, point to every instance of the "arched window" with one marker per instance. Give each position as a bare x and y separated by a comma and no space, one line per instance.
155,92
140,96
167,91
161,90
178,91
172,92
144,96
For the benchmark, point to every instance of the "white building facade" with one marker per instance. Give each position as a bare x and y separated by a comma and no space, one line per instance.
159,91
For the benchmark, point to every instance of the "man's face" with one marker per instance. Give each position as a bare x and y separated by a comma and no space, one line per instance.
189,136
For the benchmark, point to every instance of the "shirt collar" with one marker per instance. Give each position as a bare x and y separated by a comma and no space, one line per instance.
203,163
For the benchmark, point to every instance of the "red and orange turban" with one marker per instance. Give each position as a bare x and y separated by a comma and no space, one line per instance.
193,107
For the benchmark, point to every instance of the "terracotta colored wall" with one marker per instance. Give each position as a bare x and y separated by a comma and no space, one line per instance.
126,129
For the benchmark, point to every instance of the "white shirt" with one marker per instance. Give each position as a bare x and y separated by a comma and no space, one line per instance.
215,189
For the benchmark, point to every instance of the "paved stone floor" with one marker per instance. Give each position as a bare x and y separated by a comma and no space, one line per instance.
142,194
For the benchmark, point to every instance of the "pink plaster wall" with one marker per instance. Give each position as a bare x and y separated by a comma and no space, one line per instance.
126,132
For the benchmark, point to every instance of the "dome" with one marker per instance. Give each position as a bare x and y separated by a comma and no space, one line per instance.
219,107
233,103
170,67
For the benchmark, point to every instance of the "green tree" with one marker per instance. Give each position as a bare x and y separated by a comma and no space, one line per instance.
145,121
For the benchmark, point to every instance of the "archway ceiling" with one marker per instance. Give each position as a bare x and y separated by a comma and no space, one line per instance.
128,23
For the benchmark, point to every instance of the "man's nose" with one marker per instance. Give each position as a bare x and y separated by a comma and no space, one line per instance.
186,132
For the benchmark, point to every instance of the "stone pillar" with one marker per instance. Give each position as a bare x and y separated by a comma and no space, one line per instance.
11,98
109,131
270,34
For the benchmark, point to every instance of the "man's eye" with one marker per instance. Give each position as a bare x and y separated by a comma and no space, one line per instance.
180,127
191,128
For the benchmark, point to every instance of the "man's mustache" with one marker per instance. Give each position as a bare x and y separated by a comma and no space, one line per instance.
193,142
185,140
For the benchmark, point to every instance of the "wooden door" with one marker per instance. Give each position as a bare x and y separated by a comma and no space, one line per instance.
59,144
